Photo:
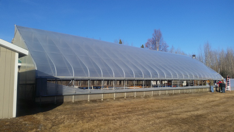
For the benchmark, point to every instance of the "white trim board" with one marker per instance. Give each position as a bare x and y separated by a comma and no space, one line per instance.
22,52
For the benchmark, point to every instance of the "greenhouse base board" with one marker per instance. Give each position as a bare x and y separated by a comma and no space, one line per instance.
117,95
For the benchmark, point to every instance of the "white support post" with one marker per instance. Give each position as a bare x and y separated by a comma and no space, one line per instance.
113,84
15,85
134,84
102,85
102,98
88,98
135,94
88,84
73,83
73,98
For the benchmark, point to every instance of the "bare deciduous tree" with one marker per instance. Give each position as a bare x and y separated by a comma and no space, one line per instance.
219,60
157,42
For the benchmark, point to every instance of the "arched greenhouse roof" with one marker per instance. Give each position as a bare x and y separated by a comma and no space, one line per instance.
66,56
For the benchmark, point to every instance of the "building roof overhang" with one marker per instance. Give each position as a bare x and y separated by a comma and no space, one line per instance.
22,52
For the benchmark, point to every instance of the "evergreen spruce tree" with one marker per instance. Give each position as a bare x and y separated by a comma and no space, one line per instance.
120,41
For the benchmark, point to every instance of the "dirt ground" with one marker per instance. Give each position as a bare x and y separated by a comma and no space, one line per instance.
185,112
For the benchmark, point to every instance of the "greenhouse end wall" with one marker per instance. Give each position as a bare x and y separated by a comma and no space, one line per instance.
26,73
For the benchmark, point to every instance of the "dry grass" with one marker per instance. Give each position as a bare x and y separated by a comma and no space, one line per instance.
185,112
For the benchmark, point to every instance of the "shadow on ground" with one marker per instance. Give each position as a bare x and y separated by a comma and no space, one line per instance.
24,108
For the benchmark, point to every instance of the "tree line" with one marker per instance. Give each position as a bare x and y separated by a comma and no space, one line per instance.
222,61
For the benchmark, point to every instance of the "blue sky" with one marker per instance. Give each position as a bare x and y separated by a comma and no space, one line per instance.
185,24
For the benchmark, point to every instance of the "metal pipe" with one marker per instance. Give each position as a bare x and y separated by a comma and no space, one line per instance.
113,84
134,84
102,84
151,83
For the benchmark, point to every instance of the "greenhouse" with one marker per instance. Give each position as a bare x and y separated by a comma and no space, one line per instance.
82,63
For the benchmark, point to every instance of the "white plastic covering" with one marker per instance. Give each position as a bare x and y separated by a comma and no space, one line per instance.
67,56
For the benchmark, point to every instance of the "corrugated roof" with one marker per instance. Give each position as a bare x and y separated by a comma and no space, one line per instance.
67,56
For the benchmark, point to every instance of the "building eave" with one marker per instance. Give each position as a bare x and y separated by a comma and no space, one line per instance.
22,52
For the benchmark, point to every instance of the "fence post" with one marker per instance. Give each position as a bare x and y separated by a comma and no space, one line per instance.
73,98
102,98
